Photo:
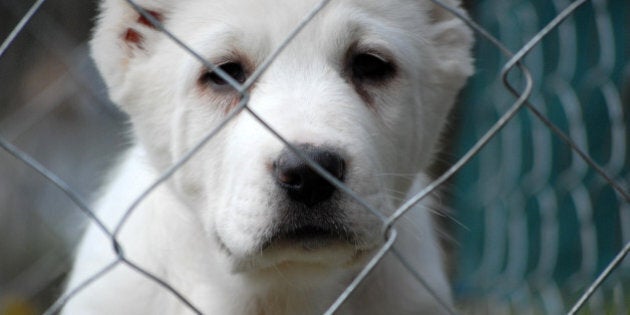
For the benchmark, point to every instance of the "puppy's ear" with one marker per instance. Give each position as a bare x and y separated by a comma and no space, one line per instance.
122,34
453,40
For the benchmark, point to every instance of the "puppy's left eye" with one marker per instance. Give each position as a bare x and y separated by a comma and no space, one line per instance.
233,69
370,67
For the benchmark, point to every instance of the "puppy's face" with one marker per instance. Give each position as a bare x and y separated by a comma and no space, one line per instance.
362,90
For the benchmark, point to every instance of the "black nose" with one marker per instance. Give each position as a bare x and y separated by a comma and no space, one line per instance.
300,181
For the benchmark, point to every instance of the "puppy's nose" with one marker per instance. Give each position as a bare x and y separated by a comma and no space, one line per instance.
300,181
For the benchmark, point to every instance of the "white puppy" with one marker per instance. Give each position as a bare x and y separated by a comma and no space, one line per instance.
246,226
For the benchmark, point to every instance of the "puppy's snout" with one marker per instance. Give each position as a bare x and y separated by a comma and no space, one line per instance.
301,182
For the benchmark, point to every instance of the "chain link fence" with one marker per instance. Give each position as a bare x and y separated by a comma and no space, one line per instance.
542,220
539,186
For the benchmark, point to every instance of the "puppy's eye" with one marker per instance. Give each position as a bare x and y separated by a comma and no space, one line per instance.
233,69
370,67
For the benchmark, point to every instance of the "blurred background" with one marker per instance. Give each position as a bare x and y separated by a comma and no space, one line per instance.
537,222
532,223
54,107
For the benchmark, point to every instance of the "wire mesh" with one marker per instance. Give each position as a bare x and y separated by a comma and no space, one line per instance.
564,226
511,290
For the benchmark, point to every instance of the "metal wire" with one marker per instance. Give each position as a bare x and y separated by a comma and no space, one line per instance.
523,95
600,279
20,26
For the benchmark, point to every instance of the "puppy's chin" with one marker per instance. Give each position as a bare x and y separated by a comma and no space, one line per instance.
305,249
311,256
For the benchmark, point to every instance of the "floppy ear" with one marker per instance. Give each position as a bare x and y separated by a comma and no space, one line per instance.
453,40
122,34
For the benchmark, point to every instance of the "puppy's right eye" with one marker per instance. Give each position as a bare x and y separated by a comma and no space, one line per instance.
233,69
371,67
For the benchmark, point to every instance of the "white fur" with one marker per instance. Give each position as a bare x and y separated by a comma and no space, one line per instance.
201,231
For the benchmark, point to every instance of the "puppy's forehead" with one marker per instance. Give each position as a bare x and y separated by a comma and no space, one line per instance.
281,11
258,26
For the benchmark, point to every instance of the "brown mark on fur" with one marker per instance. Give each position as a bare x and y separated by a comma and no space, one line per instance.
146,22
133,36
228,101
226,97
233,105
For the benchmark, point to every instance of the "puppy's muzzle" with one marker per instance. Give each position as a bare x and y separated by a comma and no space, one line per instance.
301,182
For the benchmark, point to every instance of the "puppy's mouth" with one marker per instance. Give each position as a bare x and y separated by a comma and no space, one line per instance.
315,238
309,237
318,243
